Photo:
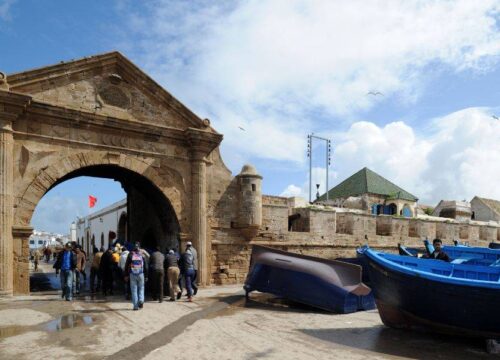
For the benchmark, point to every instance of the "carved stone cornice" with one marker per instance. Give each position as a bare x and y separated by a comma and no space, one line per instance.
12,105
71,117
201,142
22,232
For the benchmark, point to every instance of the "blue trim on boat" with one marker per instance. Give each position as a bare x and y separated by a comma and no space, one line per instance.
438,270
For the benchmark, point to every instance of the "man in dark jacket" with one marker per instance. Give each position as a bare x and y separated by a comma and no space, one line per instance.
188,271
136,271
66,264
156,263
106,268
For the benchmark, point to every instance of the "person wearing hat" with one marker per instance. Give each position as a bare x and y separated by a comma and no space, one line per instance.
66,264
188,269
194,284
136,271
172,266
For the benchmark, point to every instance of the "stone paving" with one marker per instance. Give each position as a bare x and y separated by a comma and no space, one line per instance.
219,324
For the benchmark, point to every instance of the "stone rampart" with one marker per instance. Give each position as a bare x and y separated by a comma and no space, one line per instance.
332,234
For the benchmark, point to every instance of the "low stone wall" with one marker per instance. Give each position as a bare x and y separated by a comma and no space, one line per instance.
330,234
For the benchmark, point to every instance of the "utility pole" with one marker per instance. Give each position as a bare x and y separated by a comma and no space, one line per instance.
327,160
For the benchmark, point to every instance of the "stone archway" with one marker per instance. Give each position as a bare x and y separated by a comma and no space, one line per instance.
139,187
57,120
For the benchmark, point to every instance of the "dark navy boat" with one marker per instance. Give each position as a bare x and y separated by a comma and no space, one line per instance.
435,295
330,285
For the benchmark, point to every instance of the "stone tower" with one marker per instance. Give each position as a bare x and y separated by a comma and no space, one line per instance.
249,202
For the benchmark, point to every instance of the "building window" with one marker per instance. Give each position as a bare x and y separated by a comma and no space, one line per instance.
32,242
40,242
253,187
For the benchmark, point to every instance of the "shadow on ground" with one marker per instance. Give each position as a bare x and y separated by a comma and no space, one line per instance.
409,344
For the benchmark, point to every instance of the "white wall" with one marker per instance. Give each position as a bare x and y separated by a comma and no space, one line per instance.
100,224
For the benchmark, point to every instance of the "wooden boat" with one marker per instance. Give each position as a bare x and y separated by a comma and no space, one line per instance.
435,295
330,285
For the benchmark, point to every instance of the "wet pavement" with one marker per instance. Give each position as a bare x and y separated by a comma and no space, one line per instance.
220,324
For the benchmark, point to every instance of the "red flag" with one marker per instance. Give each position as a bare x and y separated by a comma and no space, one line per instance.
92,201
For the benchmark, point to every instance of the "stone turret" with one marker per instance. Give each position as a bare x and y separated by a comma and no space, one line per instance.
249,202
4,85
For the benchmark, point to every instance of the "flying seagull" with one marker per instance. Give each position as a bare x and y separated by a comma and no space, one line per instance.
494,117
375,93
241,128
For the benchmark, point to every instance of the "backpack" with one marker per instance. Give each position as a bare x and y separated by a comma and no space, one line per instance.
137,263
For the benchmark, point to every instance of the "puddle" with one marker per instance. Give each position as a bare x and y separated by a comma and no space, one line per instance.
63,322
68,321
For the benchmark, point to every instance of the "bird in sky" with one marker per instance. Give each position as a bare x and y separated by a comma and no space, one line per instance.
494,117
241,128
375,93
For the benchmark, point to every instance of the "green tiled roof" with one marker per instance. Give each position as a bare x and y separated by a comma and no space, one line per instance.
366,181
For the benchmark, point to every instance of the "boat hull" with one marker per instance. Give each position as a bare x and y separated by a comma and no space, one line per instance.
406,301
326,284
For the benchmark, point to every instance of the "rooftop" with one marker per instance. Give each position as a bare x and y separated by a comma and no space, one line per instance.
367,181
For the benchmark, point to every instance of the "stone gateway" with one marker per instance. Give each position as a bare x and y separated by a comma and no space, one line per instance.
101,116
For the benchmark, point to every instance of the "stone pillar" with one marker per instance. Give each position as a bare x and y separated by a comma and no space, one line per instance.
21,252
6,206
202,142
199,210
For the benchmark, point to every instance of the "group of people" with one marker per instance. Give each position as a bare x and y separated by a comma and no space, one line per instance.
129,267
70,264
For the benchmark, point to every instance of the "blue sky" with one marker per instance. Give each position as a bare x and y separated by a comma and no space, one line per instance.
281,69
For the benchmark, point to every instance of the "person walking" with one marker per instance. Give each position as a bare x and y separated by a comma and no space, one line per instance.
47,252
106,271
172,266
66,264
194,284
94,270
136,271
80,268
36,259
121,265
156,264
187,260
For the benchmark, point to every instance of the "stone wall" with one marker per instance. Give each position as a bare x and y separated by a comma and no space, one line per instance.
332,234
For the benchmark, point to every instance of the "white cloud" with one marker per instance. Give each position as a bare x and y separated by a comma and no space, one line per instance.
275,67
5,6
55,213
458,159
292,190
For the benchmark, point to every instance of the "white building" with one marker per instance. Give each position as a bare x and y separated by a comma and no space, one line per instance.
100,229
43,239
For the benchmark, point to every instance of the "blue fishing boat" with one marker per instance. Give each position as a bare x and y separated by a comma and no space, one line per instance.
468,255
435,295
473,255
330,285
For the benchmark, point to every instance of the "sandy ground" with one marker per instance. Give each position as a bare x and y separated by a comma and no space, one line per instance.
220,324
